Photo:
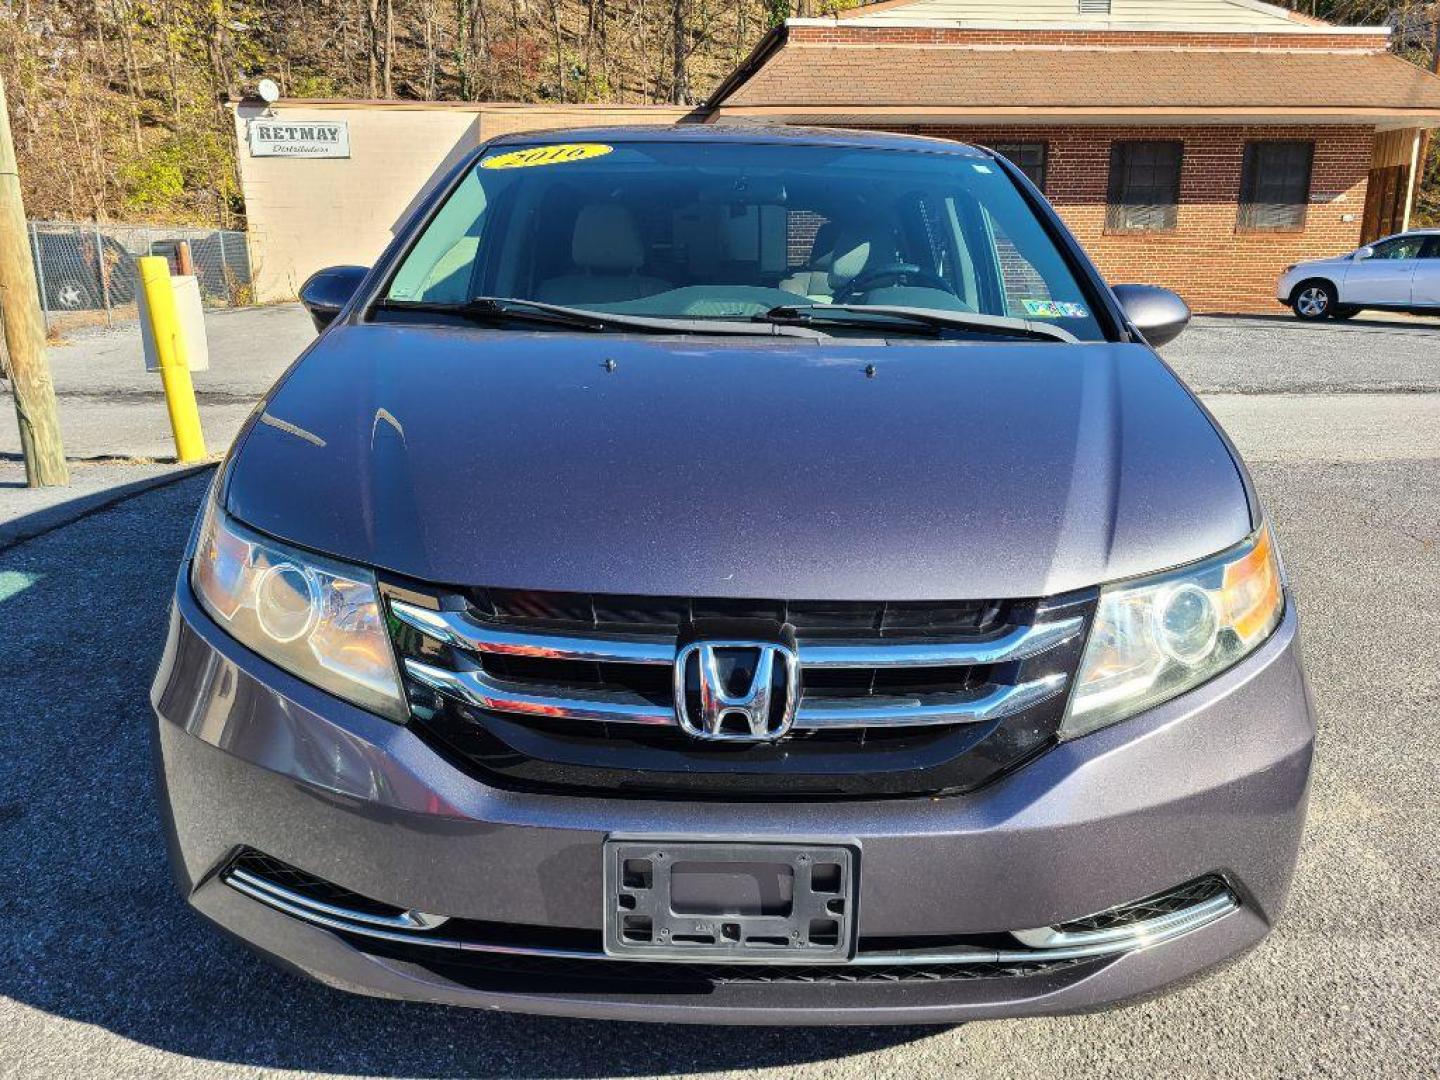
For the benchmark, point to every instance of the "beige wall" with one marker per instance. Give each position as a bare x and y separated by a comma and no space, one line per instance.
505,118
308,213
1237,13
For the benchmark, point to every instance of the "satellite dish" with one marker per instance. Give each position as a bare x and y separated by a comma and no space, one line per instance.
268,90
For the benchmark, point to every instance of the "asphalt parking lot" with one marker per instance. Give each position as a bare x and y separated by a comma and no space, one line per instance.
103,971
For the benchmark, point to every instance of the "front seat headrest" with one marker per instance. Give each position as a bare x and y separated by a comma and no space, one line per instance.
607,238
856,252
822,249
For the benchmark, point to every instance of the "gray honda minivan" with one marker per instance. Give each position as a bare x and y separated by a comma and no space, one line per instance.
735,576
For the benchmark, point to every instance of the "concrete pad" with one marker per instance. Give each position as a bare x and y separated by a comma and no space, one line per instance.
110,407
27,512
1330,427
1284,355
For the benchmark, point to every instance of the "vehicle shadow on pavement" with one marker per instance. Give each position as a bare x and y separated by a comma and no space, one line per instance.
91,929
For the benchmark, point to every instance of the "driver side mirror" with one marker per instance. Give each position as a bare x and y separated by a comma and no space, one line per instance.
327,291
1366,252
1158,314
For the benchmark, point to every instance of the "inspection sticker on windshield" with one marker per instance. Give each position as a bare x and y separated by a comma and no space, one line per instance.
1053,309
556,154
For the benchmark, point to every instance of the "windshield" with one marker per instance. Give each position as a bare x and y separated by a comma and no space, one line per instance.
733,230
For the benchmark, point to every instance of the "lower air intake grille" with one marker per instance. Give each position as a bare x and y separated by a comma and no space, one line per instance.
540,959
308,885
503,972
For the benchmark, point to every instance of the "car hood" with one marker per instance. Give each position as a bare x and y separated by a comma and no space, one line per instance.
762,468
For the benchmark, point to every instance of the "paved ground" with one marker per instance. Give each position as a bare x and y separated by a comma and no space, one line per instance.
113,418
26,512
1270,355
110,407
103,972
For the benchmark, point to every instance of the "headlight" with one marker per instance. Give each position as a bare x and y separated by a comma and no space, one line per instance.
1160,636
316,618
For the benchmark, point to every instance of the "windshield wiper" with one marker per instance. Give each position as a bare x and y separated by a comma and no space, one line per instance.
494,310
913,320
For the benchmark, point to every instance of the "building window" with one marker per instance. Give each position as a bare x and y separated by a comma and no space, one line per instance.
1144,186
1028,157
1275,184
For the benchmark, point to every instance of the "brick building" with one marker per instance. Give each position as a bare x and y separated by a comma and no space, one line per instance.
1203,145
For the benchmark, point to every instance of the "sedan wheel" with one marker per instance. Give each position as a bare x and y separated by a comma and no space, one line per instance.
1313,300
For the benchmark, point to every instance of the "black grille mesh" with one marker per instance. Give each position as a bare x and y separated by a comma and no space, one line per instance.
637,976
577,612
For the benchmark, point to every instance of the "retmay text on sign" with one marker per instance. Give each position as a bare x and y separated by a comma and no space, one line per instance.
299,138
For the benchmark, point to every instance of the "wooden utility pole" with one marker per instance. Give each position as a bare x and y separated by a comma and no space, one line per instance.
1435,39
25,328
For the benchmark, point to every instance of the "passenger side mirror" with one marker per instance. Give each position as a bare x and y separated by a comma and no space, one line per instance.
326,291
1157,313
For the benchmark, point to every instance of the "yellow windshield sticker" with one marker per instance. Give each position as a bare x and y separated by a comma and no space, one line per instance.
558,154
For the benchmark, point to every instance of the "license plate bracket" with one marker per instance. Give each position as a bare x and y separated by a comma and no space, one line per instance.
743,903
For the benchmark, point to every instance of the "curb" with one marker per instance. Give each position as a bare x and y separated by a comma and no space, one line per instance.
37,524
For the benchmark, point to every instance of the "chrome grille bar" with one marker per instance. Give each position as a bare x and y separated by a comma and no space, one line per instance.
458,629
564,703
815,713
913,711
1021,643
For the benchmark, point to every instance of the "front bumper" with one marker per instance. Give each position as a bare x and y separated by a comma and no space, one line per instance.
1211,783
1286,286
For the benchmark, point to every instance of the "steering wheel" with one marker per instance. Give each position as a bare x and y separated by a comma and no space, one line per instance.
899,273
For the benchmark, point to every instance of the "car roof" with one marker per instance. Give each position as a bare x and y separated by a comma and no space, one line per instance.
755,134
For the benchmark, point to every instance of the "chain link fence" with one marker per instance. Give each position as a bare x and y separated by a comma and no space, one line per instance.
87,272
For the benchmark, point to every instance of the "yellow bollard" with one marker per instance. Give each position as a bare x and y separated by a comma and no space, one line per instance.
174,363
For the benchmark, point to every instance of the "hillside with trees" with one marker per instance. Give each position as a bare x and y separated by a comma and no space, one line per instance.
117,105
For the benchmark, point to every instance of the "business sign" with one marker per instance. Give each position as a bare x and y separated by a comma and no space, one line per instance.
299,138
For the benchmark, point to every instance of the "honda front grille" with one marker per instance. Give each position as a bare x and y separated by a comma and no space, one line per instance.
518,688
619,705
